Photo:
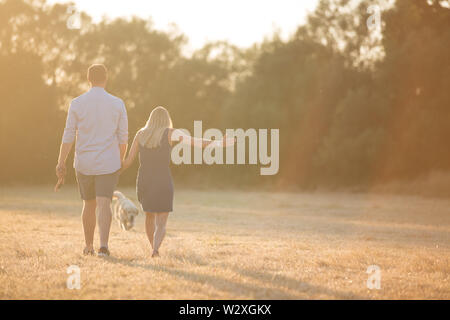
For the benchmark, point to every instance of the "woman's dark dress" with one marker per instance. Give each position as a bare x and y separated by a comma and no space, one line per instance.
154,181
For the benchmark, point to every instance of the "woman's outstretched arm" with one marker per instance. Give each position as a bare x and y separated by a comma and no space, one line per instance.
177,135
132,154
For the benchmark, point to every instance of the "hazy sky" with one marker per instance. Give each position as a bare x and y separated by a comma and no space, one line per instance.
242,22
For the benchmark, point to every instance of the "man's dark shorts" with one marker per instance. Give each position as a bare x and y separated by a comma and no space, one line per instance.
97,186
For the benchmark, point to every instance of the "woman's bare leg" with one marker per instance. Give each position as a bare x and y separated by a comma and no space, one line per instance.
150,226
161,221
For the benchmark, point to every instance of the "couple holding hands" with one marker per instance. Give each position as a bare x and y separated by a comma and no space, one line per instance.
97,122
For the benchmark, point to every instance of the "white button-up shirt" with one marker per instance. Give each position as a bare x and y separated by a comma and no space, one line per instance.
99,122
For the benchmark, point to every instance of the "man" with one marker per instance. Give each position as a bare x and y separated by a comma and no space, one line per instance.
99,123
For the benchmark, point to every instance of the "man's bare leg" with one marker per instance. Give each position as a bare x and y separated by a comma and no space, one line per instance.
88,218
104,220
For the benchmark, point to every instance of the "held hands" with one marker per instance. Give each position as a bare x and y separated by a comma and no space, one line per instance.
125,166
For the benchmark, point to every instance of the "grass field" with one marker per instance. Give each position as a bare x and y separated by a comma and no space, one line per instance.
232,245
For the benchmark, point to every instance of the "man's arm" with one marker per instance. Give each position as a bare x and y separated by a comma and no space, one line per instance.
67,142
64,151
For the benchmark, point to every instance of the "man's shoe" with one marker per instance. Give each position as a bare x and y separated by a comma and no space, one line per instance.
103,252
89,251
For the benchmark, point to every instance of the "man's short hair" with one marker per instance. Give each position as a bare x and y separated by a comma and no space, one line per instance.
97,74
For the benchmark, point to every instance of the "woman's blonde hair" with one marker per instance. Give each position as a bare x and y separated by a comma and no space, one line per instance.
150,136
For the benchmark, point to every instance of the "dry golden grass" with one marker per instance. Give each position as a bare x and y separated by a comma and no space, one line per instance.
232,245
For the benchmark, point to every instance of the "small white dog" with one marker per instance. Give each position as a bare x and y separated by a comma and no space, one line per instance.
124,210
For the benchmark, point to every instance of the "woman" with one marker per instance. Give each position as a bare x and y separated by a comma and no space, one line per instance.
154,144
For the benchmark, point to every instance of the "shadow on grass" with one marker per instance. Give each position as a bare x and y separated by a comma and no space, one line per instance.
191,258
265,291
296,285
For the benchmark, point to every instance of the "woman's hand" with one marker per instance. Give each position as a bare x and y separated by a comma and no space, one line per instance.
224,141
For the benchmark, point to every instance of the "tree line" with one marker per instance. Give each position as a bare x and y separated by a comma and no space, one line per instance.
355,107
